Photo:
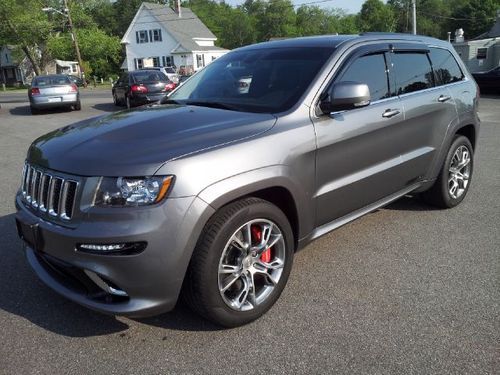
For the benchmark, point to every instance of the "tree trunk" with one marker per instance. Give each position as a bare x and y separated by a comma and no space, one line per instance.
25,49
33,62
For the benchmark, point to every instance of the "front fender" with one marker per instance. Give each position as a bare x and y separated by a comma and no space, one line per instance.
232,188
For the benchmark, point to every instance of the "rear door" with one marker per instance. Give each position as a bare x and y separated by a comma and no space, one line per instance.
429,109
358,157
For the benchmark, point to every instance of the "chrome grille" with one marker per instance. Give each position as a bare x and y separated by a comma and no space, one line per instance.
48,193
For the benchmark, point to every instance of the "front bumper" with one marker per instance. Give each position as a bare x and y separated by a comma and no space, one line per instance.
151,279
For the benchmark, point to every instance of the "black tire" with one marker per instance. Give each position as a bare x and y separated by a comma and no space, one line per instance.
201,286
439,194
115,100
34,111
78,106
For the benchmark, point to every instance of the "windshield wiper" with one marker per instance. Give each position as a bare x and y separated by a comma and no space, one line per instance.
214,105
171,101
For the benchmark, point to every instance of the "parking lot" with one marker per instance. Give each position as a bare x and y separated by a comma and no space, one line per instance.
406,289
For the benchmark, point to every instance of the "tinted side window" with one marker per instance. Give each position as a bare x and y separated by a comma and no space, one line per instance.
370,70
446,68
413,72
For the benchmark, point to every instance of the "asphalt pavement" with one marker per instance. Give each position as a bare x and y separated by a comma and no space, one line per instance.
407,289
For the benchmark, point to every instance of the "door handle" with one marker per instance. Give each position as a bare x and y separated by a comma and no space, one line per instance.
444,98
391,113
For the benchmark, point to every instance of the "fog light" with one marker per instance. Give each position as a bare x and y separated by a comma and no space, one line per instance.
112,249
118,246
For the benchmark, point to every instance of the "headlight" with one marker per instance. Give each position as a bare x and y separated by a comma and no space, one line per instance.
132,191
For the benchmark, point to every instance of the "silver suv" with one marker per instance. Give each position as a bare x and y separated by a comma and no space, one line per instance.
211,193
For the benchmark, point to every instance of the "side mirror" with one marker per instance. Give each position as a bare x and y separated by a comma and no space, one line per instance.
345,95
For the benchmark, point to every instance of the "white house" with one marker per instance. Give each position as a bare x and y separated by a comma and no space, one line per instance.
161,36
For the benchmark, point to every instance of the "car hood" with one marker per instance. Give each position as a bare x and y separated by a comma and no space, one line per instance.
134,143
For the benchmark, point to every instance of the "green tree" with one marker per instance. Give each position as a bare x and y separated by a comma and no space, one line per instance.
475,17
376,16
101,51
24,24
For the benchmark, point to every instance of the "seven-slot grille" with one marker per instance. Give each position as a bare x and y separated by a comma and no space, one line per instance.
48,193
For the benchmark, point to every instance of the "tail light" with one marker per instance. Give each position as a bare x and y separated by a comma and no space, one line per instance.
139,88
170,86
35,91
73,88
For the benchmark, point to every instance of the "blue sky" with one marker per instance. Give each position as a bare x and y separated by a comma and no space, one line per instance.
351,6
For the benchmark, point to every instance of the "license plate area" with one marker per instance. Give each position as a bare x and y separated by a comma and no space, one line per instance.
54,100
31,234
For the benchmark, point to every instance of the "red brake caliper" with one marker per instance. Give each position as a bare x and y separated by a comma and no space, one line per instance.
257,236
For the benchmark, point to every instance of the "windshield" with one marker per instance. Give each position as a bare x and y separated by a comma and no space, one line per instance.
266,80
50,81
148,76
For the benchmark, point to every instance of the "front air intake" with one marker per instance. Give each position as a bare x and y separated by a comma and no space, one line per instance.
49,193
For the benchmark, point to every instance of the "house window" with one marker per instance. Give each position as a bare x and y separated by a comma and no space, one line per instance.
200,61
168,60
156,61
156,35
482,53
141,36
139,64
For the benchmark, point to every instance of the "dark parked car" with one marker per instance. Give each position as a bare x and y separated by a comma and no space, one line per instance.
141,87
489,81
51,91
210,195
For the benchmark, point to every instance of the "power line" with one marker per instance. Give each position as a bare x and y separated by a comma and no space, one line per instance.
452,18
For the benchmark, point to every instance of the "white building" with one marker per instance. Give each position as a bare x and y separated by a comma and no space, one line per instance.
161,36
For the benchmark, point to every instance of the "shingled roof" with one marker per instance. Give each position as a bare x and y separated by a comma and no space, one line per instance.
494,31
184,29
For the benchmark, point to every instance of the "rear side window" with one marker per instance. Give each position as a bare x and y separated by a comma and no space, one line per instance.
446,68
371,70
413,72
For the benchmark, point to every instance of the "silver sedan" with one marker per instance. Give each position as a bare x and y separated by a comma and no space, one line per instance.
53,91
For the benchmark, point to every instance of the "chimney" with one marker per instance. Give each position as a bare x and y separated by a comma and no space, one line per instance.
459,35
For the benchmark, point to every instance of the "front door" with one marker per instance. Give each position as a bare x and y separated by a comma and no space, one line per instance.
359,150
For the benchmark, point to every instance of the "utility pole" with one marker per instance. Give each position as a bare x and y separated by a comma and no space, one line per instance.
414,12
75,42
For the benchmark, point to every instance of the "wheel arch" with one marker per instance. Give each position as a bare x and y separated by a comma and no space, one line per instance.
468,131
265,184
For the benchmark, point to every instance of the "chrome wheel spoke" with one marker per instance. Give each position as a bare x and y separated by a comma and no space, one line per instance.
252,299
230,281
274,265
241,298
238,243
228,268
247,234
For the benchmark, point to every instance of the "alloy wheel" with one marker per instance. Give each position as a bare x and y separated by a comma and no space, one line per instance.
459,172
251,264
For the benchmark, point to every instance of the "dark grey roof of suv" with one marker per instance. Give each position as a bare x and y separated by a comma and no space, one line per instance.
336,40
